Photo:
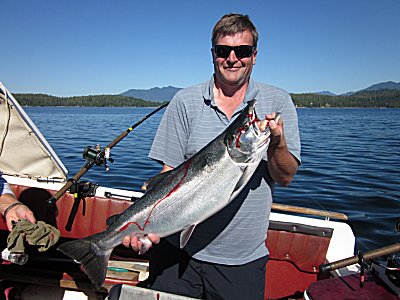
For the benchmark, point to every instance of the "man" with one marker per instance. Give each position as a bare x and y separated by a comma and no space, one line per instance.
10,208
226,255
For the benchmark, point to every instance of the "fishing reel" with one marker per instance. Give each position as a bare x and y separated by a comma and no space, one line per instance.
97,156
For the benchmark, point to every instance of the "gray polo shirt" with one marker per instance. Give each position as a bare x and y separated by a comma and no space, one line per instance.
235,235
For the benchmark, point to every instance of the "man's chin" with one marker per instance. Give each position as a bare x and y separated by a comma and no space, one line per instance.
235,81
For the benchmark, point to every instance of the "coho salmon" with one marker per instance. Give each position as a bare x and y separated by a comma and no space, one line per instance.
178,200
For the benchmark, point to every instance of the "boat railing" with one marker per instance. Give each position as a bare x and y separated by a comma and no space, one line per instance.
309,211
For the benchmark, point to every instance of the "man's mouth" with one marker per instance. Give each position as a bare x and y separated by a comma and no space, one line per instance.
232,69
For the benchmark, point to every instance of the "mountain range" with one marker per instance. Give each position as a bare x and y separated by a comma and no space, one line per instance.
164,94
154,94
388,85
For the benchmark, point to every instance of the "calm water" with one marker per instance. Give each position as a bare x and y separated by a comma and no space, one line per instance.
351,159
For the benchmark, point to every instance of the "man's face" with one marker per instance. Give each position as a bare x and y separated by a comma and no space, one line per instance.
234,71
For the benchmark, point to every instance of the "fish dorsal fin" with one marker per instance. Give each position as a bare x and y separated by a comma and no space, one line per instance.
186,234
154,181
112,219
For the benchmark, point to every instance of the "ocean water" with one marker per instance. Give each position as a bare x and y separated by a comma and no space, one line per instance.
350,159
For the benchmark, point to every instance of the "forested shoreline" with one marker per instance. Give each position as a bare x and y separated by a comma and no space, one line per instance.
92,100
380,98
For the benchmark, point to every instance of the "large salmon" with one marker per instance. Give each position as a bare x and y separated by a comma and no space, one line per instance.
178,200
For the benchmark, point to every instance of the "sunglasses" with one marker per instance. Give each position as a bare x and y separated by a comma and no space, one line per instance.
241,51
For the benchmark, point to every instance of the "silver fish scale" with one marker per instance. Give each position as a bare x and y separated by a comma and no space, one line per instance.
197,201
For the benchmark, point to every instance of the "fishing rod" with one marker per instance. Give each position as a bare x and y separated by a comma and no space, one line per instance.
98,156
370,255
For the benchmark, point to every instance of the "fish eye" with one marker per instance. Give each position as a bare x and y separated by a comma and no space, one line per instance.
246,126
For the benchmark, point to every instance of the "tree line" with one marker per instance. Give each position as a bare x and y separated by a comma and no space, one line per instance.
94,100
380,98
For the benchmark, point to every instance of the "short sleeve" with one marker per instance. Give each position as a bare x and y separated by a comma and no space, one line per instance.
170,142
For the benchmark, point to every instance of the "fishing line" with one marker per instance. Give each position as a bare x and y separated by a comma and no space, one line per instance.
308,195
360,242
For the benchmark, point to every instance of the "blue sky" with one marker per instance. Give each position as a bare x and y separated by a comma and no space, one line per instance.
78,47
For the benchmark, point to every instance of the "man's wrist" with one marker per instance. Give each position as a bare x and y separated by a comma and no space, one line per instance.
10,207
6,200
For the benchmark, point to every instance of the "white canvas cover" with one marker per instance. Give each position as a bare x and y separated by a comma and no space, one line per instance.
24,152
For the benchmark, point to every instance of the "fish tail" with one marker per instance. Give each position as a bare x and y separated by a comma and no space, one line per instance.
93,259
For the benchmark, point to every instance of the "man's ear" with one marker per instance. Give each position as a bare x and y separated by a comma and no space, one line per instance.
255,56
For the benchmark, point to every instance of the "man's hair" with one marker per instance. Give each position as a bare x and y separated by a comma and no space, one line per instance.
231,24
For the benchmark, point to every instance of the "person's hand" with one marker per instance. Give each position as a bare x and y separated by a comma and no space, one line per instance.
276,129
141,245
19,212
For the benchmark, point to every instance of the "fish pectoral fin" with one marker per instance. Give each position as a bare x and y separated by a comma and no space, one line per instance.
243,180
186,234
112,219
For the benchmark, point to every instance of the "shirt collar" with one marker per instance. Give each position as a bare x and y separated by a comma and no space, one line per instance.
208,93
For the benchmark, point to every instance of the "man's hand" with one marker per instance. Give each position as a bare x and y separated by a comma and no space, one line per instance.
140,245
16,213
276,129
20,212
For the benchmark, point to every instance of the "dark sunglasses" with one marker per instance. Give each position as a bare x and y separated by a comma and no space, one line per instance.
241,51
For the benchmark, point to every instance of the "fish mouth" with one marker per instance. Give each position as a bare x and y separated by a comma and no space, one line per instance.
263,137
252,140
248,142
264,141
264,134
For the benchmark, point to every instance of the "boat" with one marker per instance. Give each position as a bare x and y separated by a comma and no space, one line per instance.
311,251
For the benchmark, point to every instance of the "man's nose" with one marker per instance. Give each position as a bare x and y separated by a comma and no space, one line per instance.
232,56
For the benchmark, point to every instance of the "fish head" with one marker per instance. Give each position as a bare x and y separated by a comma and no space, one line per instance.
245,141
